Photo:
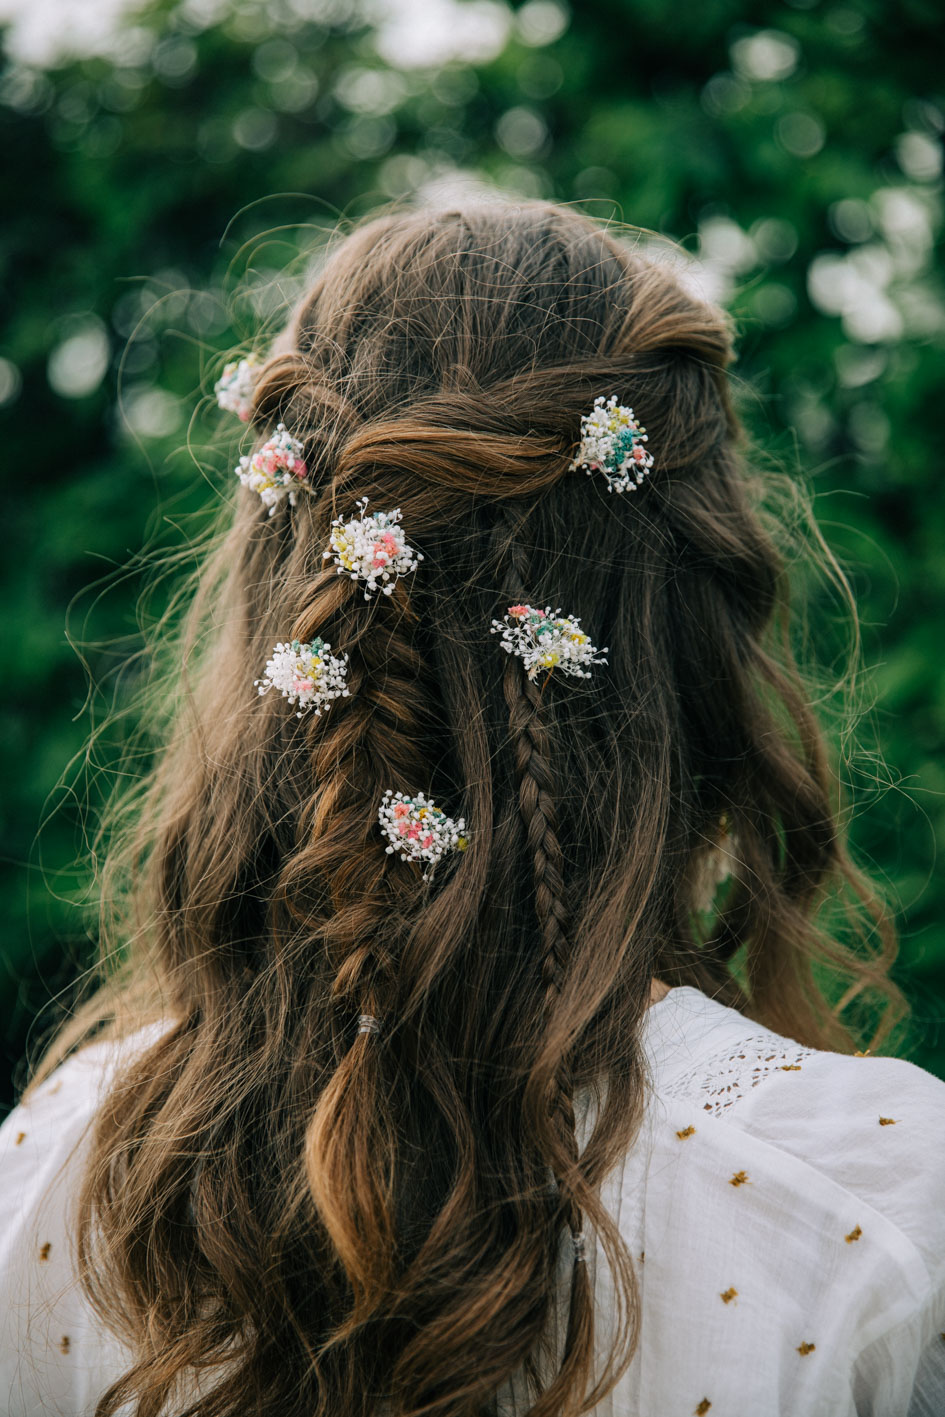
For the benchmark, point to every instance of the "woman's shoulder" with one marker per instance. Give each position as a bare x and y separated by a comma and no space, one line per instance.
871,1127
735,1068
53,1355
55,1114
786,1204
65,1101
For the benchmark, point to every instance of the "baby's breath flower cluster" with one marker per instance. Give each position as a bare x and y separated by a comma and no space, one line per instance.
308,675
612,443
234,388
371,549
543,640
419,831
276,470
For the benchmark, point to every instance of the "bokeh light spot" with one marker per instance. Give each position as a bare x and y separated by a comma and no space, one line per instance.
541,22
10,381
801,134
521,132
765,56
255,129
152,413
77,364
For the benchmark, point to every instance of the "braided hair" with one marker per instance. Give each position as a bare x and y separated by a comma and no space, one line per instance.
291,1211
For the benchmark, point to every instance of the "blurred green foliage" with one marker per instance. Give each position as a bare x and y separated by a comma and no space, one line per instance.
160,201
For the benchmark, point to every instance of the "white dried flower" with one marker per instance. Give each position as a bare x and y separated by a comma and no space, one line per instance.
371,549
276,470
612,442
234,388
308,675
543,640
418,830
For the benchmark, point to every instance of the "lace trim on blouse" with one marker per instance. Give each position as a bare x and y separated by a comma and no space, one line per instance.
727,1075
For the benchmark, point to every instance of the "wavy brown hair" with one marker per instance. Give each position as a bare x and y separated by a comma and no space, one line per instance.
285,1216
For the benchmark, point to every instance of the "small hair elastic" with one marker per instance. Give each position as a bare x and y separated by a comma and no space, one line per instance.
418,830
234,388
371,549
580,1245
367,1023
276,470
612,442
543,640
309,675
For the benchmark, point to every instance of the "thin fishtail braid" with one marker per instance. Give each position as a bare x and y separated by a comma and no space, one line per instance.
534,764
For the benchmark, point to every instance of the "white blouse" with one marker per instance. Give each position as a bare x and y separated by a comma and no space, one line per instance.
785,1209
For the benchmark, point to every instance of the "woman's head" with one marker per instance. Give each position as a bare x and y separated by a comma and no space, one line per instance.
352,1222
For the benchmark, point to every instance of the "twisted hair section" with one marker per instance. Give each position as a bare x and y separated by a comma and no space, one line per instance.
286,1212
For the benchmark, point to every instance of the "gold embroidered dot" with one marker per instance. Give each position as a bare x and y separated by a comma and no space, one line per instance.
686,1132
20,1137
805,1348
854,1234
55,1089
790,1067
642,1256
703,1407
728,1295
887,1121
64,1344
44,1251
739,1179
707,1107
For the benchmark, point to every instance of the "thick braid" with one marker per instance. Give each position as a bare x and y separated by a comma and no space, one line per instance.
371,741
373,749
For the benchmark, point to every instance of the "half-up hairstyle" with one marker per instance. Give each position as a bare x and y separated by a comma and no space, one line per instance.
286,1213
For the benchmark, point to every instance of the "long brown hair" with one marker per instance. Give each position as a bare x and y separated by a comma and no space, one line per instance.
284,1215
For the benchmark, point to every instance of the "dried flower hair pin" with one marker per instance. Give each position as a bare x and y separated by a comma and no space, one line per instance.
276,470
543,640
418,830
372,549
612,442
234,388
308,675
